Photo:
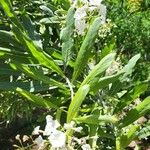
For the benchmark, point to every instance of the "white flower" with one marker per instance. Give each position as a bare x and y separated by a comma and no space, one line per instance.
70,125
78,129
17,137
81,13
25,138
80,26
114,67
36,130
86,147
57,139
81,141
39,141
80,23
95,2
51,125
103,12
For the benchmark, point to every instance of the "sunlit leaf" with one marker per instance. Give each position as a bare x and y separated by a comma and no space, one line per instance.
66,36
77,101
36,99
85,49
140,110
96,119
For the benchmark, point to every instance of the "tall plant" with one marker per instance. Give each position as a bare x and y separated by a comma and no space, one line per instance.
92,94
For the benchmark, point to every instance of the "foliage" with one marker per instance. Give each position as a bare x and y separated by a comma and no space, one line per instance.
49,64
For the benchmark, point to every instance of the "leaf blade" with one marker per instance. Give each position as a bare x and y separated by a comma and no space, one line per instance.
77,101
66,36
85,49
36,99
135,113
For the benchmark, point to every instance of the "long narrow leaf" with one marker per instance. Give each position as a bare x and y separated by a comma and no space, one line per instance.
99,68
137,112
37,52
30,29
23,37
131,96
15,55
85,49
66,36
9,38
28,86
36,99
104,82
126,138
96,119
129,67
36,74
10,13
77,101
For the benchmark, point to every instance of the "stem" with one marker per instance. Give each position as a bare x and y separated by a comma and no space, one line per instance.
118,144
70,86
93,132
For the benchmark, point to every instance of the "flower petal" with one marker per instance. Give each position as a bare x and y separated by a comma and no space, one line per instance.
70,125
103,12
39,141
95,2
36,130
51,125
57,139
80,26
86,147
81,13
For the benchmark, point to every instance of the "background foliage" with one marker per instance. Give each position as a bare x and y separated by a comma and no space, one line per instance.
36,67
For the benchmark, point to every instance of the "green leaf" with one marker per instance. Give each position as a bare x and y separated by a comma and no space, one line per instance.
46,10
126,138
96,119
43,58
9,38
103,82
99,69
144,132
28,86
107,49
66,36
129,67
130,96
36,99
30,30
77,101
5,70
11,51
36,74
50,20
15,55
23,37
10,13
94,128
85,49
137,112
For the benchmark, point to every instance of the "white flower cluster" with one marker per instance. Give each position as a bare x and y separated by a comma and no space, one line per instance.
82,11
113,68
55,137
